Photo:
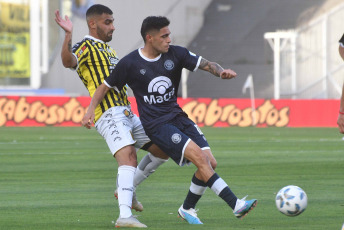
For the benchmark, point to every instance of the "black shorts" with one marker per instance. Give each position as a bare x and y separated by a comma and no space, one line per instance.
173,137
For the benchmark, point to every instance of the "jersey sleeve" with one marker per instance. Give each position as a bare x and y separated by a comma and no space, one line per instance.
191,61
80,52
117,78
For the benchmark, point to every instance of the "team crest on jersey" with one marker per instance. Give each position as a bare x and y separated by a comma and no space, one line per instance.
169,64
176,138
128,113
142,71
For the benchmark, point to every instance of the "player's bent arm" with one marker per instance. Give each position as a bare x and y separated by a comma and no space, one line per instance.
68,59
215,69
211,67
96,99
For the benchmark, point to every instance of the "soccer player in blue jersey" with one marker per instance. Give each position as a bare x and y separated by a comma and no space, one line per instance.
93,59
153,73
340,120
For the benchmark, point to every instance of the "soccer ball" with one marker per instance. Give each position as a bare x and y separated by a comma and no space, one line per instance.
291,200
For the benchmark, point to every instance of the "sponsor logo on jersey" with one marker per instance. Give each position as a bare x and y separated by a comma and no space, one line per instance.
169,64
142,71
113,60
161,85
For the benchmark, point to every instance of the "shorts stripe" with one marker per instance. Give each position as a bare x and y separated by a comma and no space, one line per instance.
182,157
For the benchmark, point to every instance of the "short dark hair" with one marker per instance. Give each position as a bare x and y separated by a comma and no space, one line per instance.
98,9
153,23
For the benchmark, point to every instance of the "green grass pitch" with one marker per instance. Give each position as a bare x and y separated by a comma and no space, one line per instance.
64,178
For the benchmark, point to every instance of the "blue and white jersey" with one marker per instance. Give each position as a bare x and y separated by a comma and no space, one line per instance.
154,82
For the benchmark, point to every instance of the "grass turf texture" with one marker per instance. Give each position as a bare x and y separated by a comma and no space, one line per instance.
63,178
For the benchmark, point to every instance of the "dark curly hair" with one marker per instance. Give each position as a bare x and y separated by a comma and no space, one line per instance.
153,23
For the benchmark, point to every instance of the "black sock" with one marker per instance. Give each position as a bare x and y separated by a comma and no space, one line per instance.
227,195
192,198
220,187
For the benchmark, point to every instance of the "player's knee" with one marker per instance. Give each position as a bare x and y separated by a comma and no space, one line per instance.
213,163
201,159
212,159
126,156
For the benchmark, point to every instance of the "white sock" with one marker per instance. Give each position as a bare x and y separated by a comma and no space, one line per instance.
125,188
218,186
146,167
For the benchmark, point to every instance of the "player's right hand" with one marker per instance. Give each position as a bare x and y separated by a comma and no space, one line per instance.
228,74
88,119
65,24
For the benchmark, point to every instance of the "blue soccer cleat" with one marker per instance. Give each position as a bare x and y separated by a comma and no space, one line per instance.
189,215
243,207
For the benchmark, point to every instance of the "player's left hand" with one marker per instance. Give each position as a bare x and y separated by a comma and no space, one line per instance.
228,74
87,119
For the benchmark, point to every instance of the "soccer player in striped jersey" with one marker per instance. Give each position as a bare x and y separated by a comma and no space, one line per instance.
153,73
340,120
94,60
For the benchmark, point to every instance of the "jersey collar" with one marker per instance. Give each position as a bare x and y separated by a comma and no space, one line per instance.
146,58
93,38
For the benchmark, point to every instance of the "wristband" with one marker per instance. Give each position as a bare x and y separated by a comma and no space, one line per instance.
342,40
342,113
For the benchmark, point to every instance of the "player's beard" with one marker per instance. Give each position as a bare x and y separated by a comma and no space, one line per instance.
106,37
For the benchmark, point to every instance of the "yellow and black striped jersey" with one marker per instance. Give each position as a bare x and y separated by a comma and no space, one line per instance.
96,59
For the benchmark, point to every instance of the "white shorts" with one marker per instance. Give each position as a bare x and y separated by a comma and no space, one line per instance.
120,127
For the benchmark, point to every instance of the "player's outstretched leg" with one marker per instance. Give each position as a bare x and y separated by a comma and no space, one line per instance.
243,207
189,215
240,207
187,210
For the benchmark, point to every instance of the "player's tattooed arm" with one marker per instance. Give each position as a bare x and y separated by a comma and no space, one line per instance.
216,69
70,45
211,67
68,59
